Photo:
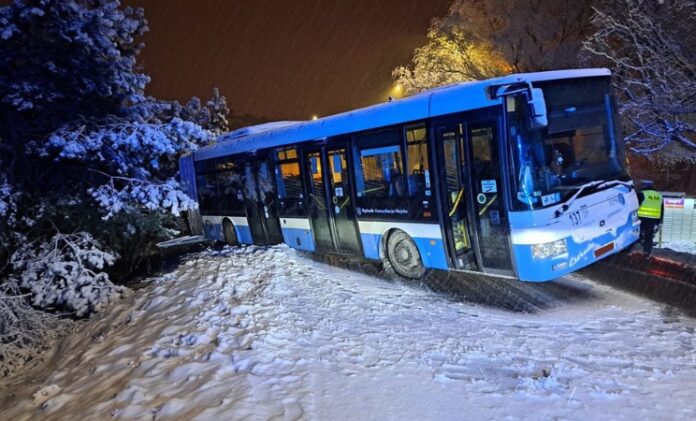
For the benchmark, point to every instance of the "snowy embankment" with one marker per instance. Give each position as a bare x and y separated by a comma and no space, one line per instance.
267,333
681,246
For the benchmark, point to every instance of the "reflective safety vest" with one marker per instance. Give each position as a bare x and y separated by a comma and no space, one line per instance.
651,206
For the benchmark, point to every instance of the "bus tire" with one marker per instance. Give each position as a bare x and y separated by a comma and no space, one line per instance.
403,257
229,234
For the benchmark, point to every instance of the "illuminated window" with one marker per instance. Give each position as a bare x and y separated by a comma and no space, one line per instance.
481,140
288,176
418,167
382,174
286,154
337,160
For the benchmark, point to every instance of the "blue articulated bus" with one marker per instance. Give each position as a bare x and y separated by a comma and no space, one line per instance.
520,176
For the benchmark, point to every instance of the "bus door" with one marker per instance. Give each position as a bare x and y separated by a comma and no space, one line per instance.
261,203
456,195
489,211
317,208
342,208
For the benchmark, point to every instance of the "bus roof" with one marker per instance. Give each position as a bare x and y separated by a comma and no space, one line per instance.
435,102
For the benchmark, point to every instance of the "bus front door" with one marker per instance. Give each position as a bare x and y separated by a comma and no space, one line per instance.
455,193
489,211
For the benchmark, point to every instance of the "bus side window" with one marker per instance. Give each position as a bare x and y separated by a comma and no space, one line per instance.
207,193
289,181
382,174
230,191
380,177
418,166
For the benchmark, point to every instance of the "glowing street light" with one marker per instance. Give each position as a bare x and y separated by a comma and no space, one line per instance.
396,91
314,117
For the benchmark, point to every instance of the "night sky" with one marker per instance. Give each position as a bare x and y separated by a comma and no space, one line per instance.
282,59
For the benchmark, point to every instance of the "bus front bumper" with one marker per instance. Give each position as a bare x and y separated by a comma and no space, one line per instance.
578,254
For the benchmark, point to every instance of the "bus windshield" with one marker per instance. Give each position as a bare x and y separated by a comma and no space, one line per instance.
581,143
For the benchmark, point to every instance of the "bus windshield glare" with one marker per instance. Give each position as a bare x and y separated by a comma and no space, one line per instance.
579,145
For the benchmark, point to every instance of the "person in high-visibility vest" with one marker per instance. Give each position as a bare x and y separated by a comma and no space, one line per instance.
650,212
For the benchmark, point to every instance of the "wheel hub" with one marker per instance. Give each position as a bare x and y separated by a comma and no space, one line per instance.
404,254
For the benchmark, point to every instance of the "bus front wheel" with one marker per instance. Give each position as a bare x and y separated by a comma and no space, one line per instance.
229,234
403,256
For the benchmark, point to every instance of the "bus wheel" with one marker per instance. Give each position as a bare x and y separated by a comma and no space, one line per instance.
403,256
229,233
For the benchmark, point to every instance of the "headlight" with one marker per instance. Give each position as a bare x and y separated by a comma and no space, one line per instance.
554,248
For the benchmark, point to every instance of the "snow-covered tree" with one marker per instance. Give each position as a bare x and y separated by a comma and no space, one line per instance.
212,116
531,35
82,151
135,160
80,142
451,54
64,58
651,48
484,38
219,112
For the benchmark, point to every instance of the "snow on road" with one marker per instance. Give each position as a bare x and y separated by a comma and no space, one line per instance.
253,333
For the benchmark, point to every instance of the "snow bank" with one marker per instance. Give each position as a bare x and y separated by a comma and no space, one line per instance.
266,333
681,246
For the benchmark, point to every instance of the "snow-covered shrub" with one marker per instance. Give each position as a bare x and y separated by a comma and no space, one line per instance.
66,272
24,332
8,205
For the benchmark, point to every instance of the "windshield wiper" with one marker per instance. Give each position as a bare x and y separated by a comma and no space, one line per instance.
581,188
623,183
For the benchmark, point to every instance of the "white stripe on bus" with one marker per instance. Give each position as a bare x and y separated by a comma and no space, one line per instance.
412,229
239,221
295,223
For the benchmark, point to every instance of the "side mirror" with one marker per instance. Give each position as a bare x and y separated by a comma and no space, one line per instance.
537,109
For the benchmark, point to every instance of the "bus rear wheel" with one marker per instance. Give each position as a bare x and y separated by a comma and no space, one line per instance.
229,234
403,256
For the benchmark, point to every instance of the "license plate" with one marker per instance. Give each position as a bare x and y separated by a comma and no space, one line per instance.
604,249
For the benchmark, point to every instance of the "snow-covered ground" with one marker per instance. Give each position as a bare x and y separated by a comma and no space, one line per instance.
681,246
252,333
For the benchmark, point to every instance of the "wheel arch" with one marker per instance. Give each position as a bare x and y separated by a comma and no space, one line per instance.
227,220
383,241
424,255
